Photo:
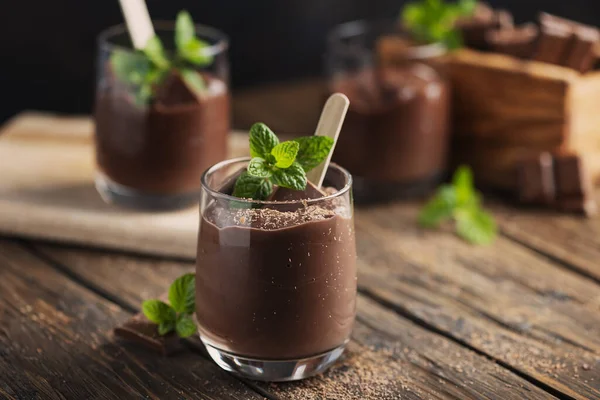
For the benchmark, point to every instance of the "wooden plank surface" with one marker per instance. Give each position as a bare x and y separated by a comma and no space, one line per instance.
389,357
504,300
55,344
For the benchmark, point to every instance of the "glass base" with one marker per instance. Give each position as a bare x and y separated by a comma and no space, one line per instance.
114,193
274,370
366,191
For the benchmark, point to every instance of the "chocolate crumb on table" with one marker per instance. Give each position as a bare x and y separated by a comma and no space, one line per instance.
138,329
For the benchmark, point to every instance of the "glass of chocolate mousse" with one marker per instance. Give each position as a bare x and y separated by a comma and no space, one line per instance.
395,139
162,115
275,279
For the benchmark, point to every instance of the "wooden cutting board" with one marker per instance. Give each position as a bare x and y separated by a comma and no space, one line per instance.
47,191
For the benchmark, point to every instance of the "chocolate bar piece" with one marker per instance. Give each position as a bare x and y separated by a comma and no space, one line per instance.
474,28
145,333
558,181
536,180
552,44
517,42
568,43
570,176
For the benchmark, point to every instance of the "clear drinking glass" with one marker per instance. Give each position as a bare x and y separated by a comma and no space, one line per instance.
154,140
275,282
395,138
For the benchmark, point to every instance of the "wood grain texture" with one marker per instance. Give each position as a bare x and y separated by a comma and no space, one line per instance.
54,344
571,240
389,357
504,300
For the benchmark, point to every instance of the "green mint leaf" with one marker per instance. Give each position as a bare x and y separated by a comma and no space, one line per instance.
158,311
251,187
440,208
293,177
166,327
196,52
193,80
285,153
463,184
259,168
182,294
476,226
185,31
129,67
185,326
262,140
155,51
313,151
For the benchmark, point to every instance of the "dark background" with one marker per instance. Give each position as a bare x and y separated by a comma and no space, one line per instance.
48,46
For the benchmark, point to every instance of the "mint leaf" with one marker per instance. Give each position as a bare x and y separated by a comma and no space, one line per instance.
184,30
166,327
185,326
130,68
467,7
182,294
285,153
155,51
193,80
476,226
158,311
259,168
313,150
251,187
440,208
463,183
293,177
195,51
262,140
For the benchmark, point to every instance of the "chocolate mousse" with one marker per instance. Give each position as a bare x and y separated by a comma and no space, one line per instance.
273,284
397,128
163,147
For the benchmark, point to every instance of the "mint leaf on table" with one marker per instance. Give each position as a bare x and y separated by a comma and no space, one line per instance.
461,202
476,226
182,294
285,154
251,187
262,140
185,326
158,311
313,151
177,316
293,177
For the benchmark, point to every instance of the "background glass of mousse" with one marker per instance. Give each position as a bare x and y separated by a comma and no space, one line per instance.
395,138
151,153
275,282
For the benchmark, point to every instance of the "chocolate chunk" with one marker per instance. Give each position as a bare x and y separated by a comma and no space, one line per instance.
474,27
145,333
581,56
517,42
552,44
577,204
289,195
570,176
504,19
536,180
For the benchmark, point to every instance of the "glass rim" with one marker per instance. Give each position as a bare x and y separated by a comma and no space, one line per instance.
356,27
221,39
217,194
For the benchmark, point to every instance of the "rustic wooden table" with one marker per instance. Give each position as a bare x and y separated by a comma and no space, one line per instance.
436,319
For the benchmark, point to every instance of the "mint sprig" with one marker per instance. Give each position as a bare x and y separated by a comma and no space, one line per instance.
177,316
434,21
284,164
145,70
459,201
